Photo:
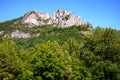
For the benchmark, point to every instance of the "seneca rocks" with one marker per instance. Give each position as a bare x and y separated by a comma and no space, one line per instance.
60,19
35,18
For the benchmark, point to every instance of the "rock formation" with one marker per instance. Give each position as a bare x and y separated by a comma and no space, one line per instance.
20,34
60,19
65,19
35,18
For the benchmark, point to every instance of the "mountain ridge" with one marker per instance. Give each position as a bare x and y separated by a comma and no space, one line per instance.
26,25
61,18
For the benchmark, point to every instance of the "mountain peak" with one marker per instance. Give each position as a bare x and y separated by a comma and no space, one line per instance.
23,27
64,18
35,18
61,18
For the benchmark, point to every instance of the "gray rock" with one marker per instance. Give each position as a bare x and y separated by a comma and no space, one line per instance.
35,18
65,19
60,19
20,34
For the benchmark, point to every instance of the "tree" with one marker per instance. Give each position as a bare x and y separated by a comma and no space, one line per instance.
105,70
49,61
72,47
7,57
11,66
104,42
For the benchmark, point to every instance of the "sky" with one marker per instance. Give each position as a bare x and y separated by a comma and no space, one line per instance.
104,13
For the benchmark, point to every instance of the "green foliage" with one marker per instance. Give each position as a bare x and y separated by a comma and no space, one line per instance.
72,47
50,62
104,43
48,33
61,54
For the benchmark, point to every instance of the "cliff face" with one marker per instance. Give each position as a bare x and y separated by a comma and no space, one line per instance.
60,19
20,34
30,25
65,19
36,18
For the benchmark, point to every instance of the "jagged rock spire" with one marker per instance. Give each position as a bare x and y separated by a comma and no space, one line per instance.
61,18
35,18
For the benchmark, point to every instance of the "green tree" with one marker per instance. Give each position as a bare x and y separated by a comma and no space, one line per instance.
104,42
72,47
49,61
7,57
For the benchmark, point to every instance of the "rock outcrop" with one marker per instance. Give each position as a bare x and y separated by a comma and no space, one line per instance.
65,19
20,34
35,18
60,19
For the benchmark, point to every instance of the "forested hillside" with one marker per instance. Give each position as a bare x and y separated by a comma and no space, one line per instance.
61,54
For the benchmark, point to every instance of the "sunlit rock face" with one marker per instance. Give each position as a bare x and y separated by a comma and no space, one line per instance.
20,34
65,19
35,18
61,18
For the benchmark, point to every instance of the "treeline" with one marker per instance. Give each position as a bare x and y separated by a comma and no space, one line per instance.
94,57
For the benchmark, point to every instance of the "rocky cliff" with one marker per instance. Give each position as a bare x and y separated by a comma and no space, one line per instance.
60,18
65,19
35,18
33,23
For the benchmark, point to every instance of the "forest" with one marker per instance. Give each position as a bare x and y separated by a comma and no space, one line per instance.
62,54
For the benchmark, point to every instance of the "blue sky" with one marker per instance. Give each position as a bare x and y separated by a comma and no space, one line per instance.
105,13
